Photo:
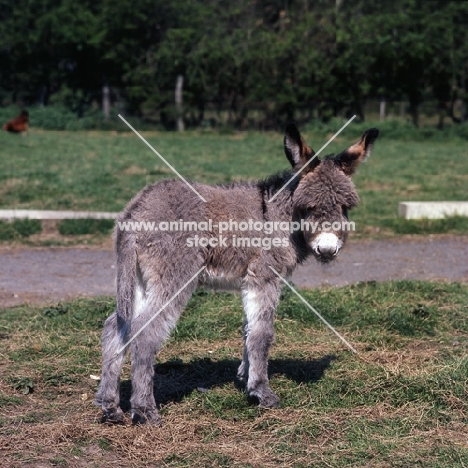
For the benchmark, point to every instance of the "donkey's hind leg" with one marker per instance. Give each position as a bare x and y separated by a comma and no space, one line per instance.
158,322
143,349
260,301
114,337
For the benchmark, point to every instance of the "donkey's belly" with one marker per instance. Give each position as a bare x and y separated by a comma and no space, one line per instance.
219,279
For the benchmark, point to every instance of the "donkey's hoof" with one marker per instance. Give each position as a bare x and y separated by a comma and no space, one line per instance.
264,398
146,417
112,416
268,400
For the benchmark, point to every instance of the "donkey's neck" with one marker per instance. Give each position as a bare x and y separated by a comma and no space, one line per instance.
281,208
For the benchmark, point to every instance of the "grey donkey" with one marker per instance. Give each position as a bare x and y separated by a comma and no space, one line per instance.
153,265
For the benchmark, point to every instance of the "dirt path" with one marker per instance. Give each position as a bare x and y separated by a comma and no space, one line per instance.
47,275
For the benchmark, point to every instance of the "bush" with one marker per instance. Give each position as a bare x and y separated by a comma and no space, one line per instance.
7,232
27,227
76,227
60,117
19,228
50,118
395,129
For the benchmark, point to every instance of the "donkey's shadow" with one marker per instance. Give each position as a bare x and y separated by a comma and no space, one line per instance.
175,379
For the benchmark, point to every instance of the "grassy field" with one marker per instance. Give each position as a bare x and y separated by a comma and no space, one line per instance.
402,401
103,170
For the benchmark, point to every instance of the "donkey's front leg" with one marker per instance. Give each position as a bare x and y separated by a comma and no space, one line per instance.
259,302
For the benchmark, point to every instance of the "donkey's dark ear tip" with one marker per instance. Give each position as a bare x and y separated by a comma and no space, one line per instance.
291,129
371,135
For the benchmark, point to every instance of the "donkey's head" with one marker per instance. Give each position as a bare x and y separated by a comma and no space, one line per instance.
325,192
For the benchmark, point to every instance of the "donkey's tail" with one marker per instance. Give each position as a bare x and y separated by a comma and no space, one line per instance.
126,273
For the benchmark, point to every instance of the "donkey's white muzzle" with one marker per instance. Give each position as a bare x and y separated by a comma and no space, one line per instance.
326,246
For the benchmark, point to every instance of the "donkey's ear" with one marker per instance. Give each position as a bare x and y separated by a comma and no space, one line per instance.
297,151
349,159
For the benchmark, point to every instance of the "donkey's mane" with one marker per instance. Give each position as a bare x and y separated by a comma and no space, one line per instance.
276,181
271,183
329,157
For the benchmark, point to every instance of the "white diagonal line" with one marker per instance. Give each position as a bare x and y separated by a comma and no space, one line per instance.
312,158
165,162
314,311
160,310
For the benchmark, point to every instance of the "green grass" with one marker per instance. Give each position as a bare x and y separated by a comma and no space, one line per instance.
428,226
103,170
400,402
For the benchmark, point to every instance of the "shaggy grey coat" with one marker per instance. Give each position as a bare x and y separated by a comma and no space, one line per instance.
152,266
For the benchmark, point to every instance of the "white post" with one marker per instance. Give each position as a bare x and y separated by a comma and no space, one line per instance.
382,109
106,101
179,103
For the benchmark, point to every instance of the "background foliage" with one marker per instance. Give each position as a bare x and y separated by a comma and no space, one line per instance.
258,62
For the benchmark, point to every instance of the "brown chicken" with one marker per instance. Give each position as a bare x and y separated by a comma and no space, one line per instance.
19,124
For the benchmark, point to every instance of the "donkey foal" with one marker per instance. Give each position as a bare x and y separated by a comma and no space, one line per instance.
153,265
